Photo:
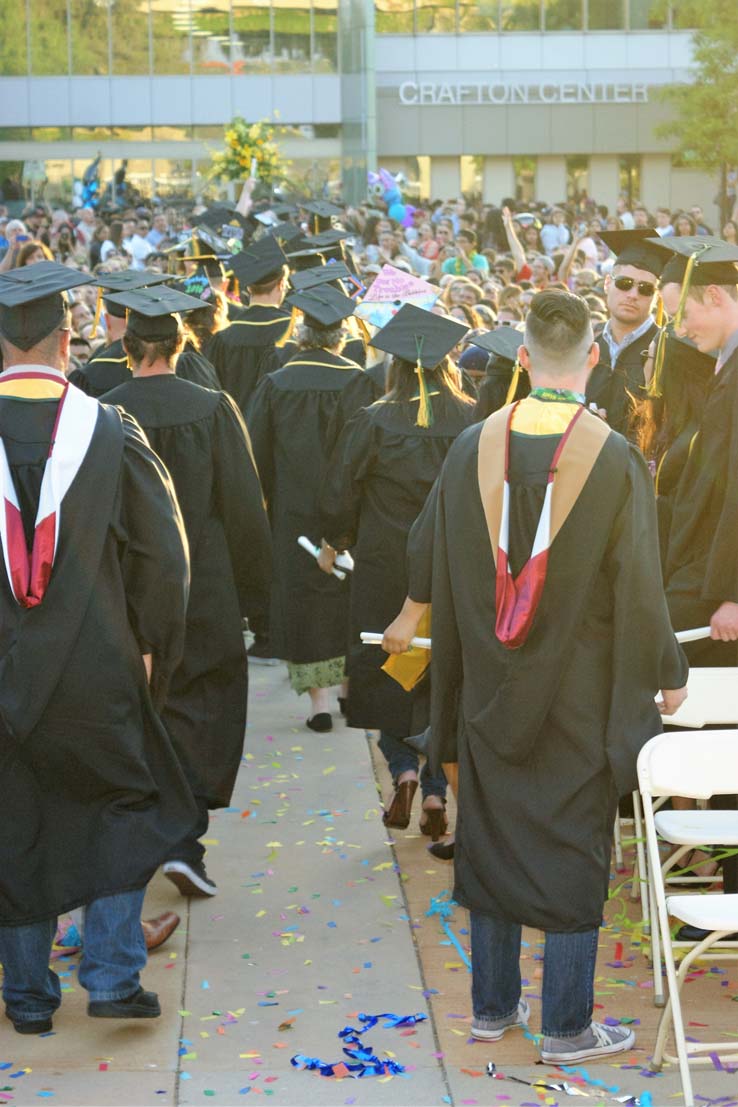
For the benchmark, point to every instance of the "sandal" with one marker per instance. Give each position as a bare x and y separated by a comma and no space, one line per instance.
433,822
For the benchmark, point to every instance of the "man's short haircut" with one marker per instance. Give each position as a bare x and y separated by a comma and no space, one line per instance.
146,353
263,288
468,234
697,291
558,323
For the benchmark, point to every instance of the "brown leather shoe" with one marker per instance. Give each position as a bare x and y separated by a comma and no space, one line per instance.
397,814
156,931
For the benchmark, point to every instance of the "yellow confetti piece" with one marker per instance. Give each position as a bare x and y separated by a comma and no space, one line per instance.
189,1056
459,1033
184,1014
274,845
330,769
210,841
452,965
384,1079
204,1034
260,914
384,865
326,1002
295,749
249,1056
172,956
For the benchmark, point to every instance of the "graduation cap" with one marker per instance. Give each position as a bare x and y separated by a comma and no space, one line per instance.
153,313
284,211
322,212
33,301
259,261
684,359
504,342
424,339
197,284
215,243
287,232
319,274
124,281
324,306
697,259
328,238
635,248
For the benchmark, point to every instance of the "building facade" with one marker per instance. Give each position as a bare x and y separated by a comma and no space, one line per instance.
526,98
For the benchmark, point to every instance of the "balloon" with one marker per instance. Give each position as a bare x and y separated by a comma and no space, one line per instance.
397,212
409,212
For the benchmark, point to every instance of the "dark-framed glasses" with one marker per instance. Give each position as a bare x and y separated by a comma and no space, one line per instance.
645,288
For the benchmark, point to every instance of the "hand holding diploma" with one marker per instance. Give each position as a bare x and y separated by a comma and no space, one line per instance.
400,632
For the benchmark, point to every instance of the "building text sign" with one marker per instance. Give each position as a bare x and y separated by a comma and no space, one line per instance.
427,94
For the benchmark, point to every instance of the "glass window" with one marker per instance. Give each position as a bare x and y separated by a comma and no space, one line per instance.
13,38
132,134
524,171
130,37
647,15
90,134
291,36
325,36
606,15
58,186
394,17
520,15
211,36
170,32
563,15
88,23
577,177
630,177
173,179
51,134
49,40
470,175
136,185
15,134
435,15
685,16
251,46
103,170
478,17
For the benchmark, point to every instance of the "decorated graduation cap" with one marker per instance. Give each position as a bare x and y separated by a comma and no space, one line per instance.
322,212
34,300
259,261
319,275
197,284
324,306
635,248
153,313
422,338
215,244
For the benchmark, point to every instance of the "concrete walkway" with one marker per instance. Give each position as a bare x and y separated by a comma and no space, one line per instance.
320,917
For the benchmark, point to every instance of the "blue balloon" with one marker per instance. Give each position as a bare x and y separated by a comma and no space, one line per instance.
397,212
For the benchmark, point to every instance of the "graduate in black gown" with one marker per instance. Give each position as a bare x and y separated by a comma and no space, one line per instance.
201,325
504,380
248,349
381,471
93,591
551,638
201,438
292,420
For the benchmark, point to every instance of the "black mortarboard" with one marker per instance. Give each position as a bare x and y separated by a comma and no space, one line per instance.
284,210
504,342
322,208
328,238
635,248
215,243
325,306
267,218
125,281
287,232
259,261
33,301
197,284
319,275
715,261
689,360
418,335
152,312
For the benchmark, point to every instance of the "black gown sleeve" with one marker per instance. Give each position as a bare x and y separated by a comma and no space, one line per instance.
356,394
154,557
241,507
259,423
721,570
420,549
340,501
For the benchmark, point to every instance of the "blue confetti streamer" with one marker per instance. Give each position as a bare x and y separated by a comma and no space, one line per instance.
363,1061
444,908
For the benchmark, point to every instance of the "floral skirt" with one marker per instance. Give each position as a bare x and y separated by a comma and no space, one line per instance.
316,674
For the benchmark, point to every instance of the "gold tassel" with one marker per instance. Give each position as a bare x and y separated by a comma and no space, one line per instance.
425,408
686,283
364,330
660,313
290,330
516,378
654,385
98,310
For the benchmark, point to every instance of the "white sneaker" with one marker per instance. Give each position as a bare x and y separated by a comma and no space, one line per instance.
491,1030
192,880
597,1040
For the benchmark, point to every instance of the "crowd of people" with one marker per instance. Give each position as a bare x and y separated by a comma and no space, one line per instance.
522,425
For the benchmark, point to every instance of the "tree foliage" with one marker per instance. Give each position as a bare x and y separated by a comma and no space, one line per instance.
705,122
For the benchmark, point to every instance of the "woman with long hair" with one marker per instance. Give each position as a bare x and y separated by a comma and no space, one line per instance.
383,466
32,252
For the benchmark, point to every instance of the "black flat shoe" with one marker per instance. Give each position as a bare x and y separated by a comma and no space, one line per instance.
443,851
321,722
139,1005
32,1026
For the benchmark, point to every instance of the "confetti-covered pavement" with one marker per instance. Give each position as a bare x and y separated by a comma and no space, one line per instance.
320,918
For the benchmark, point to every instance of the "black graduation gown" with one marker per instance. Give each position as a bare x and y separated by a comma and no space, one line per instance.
194,366
380,474
702,547
546,735
106,369
613,387
245,351
292,420
668,474
93,795
495,386
201,438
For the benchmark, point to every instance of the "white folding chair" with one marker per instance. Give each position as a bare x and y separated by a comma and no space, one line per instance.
697,766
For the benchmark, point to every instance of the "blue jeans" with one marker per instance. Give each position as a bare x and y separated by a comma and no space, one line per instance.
113,955
401,759
568,975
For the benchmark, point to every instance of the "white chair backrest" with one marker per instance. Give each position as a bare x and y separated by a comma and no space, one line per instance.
712,699
685,763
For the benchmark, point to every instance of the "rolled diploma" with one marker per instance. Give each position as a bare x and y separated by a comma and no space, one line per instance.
314,551
692,635
370,638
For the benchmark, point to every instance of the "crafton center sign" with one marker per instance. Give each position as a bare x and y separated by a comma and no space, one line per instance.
477,93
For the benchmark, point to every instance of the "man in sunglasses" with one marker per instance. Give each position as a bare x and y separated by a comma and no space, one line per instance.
630,290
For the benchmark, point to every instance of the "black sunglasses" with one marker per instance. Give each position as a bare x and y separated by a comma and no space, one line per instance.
645,288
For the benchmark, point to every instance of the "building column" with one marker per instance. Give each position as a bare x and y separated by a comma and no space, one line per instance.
655,180
551,180
445,175
604,180
498,180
